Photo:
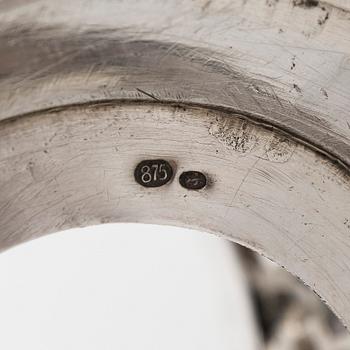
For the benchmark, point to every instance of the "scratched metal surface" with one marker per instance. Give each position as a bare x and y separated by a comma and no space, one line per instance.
263,107
285,62
75,167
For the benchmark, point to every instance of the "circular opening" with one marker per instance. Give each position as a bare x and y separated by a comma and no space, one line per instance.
135,286
126,286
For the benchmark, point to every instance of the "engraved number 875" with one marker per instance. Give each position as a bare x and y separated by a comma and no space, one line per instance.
153,173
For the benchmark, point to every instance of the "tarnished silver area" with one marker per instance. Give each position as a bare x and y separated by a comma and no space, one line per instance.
290,316
253,94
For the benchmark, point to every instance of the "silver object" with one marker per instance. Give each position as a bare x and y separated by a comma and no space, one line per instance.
255,94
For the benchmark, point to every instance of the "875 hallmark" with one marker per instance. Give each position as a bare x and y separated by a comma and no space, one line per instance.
153,173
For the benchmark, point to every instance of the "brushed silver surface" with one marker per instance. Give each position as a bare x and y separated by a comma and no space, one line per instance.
279,62
75,167
254,94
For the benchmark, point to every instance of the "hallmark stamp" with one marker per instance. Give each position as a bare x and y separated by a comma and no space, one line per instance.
193,180
153,173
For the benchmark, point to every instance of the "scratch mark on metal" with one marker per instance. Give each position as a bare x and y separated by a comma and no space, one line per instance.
241,184
148,94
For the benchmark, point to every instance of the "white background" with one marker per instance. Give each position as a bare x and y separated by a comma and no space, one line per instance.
124,287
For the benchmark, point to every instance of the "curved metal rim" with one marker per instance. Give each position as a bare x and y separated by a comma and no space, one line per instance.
259,65
80,181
